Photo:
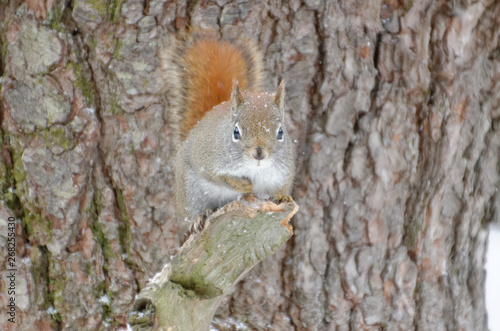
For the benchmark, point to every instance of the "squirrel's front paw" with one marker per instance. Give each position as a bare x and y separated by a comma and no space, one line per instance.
243,185
279,198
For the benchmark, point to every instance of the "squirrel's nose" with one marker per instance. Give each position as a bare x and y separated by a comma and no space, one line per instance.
260,154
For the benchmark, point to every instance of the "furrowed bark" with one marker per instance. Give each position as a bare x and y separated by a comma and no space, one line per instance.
395,112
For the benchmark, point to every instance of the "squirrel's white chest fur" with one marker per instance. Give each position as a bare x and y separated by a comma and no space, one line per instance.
265,177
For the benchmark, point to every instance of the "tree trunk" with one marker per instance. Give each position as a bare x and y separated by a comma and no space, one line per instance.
396,112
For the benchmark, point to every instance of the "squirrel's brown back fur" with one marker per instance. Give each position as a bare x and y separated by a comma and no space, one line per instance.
202,71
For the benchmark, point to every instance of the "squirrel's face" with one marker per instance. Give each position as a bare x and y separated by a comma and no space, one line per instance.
258,125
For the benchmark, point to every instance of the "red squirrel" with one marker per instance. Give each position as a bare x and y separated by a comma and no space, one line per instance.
231,138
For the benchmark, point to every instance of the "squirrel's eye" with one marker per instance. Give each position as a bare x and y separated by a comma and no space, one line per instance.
236,133
280,134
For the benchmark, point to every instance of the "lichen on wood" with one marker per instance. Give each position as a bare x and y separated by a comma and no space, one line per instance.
185,295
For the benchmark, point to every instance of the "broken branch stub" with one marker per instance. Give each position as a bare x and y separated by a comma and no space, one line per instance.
186,293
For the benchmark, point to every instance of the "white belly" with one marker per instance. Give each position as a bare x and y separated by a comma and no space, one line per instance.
266,178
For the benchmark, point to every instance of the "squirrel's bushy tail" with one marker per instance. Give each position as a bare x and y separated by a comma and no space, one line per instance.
201,70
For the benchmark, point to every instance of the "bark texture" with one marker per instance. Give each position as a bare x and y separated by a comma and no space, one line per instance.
396,111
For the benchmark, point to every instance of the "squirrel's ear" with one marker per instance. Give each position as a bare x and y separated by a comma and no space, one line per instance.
236,98
280,97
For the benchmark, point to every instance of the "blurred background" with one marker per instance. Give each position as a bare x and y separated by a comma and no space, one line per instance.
492,278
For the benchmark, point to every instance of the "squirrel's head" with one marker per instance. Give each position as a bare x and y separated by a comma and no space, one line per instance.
258,123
